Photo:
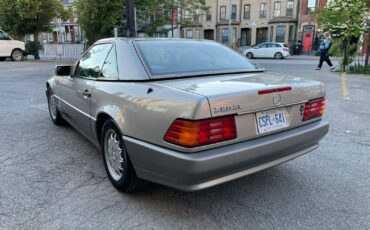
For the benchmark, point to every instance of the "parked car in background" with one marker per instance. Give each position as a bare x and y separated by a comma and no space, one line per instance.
188,114
268,50
11,48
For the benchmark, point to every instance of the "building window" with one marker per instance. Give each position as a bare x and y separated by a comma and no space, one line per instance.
289,8
197,34
209,15
222,12
280,34
225,36
277,9
263,10
233,12
233,36
189,34
311,6
291,33
247,11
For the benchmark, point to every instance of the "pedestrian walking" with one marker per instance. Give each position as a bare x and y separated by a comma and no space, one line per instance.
324,52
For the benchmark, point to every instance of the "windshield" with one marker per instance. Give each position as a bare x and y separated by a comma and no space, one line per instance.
4,36
166,59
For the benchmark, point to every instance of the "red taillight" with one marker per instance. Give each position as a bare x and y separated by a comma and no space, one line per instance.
286,49
196,133
313,109
276,90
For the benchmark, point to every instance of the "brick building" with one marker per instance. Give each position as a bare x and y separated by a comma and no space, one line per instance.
252,22
308,32
257,21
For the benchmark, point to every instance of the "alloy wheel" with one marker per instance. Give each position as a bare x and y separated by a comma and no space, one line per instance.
113,154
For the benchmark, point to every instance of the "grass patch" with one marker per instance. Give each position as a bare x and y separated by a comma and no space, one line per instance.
359,69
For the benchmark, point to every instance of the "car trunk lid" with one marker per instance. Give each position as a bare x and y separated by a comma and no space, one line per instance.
249,92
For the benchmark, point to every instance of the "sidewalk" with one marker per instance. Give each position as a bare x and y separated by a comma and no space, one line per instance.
310,57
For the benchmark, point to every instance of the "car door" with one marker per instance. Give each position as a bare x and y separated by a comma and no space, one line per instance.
260,49
5,45
75,90
275,48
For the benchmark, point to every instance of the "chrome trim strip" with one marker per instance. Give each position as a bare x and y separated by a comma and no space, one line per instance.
274,107
78,110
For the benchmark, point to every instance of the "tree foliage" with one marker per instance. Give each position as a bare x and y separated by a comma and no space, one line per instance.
98,17
21,17
345,20
154,14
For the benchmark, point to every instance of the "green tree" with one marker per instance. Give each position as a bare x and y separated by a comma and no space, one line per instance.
345,20
158,12
98,17
21,17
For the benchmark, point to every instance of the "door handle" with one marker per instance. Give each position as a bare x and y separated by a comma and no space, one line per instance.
86,93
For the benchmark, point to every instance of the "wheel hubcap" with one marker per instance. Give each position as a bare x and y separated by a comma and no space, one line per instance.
17,56
53,107
113,155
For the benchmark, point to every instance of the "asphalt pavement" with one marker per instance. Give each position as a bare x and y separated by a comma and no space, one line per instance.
53,178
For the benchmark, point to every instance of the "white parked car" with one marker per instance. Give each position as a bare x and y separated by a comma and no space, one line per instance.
268,50
11,48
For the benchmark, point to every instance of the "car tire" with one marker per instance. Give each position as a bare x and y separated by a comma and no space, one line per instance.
54,113
17,55
117,164
278,56
2,58
249,55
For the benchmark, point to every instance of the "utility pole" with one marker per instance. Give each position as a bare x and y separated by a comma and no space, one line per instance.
172,17
130,6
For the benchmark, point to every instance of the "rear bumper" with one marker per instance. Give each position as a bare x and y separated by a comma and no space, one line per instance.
195,171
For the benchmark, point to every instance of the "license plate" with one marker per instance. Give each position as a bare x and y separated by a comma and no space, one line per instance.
271,120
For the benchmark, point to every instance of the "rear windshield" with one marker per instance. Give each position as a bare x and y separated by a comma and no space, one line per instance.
166,59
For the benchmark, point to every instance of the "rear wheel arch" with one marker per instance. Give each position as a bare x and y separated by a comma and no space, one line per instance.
100,121
278,55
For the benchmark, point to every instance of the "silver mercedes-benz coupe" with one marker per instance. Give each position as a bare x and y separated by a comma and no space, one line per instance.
183,113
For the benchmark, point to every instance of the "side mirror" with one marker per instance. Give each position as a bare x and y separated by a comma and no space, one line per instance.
256,47
63,70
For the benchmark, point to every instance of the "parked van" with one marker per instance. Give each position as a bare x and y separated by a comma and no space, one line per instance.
10,48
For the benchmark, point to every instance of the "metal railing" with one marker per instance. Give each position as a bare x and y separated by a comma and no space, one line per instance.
62,51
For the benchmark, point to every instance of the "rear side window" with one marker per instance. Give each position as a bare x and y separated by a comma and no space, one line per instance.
109,69
92,61
189,58
263,45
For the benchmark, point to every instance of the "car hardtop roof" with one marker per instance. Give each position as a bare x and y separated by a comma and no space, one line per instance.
127,39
